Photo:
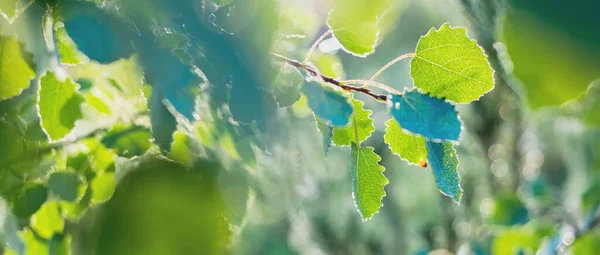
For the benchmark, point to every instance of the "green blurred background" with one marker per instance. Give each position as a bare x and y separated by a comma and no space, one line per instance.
529,154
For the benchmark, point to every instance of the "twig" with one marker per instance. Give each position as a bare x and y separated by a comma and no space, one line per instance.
367,83
315,44
386,66
311,71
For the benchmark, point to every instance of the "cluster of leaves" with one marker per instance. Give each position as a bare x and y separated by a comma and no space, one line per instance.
447,68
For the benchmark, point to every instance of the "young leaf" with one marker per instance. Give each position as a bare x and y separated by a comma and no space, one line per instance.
444,163
409,147
328,104
48,221
428,116
59,105
287,85
361,125
15,71
367,180
447,64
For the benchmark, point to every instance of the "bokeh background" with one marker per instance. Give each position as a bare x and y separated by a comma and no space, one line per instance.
529,154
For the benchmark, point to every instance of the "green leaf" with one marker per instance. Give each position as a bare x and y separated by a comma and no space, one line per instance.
103,186
15,71
128,141
368,180
360,127
407,146
447,64
355,23
444,163
588,244
47,221
59,105
287,85
67,186
29,200
66,47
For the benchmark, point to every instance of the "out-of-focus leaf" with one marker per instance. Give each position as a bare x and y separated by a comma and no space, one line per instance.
553,65
15,68
128,141
103,187
428,116
59,105
444,163
368,180
67,186
57,245
180,150
47,221
29,200
447,64
329,65
287,86
520,240
355,23
409,147
509,210
328,104
326,133
360,127
164,209
13,144
591,197
588,244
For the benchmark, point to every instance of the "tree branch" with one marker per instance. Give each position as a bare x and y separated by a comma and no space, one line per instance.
312,72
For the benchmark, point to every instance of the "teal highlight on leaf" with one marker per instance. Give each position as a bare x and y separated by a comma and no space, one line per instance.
444,163
428,116
328,104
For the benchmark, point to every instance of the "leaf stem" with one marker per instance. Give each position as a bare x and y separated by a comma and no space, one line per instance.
313,72
313,47
386,66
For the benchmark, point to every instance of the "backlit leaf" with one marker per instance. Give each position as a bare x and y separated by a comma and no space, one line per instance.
328,104
360,127
444,163
66,48
428,116
326,133
15,70
407,146
48,221
59,105
447,64
368,180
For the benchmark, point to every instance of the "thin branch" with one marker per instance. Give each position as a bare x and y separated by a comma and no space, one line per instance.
386,66
313,47
367,83
312,72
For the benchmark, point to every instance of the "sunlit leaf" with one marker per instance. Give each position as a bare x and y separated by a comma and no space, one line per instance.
447,64
355,23
47,221
367,180
59,105
15,68
103,187
328,104
587,244
428,116
66,48
407,146
444,163
360,127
